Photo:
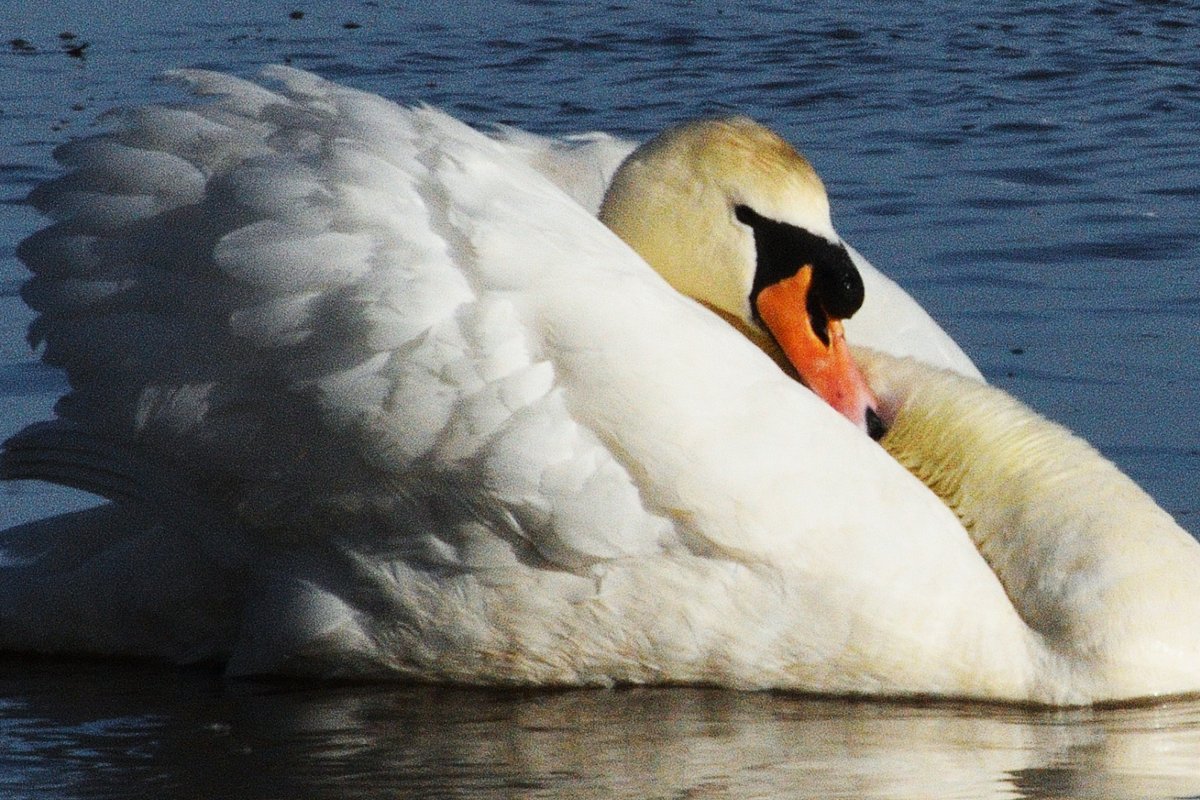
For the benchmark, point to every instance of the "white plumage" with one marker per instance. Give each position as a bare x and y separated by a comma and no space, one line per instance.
378,396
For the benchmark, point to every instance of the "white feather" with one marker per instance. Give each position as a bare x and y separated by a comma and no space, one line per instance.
380,397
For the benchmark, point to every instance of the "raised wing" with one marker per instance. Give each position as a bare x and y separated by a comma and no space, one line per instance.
314,306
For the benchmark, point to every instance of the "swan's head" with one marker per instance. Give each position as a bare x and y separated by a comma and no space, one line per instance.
731,215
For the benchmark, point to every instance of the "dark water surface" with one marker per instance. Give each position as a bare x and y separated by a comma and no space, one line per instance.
93,730
1031,173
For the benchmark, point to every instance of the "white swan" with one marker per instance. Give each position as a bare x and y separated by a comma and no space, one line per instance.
373,396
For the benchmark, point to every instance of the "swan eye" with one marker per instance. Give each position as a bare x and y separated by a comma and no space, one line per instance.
782,249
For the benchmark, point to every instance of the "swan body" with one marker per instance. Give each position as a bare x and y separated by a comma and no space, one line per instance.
373,394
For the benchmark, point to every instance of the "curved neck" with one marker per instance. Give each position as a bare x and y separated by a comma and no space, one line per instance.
1104,576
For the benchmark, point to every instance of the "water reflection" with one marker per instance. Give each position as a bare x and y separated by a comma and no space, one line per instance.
101,730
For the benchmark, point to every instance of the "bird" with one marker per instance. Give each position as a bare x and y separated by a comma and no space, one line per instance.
371,393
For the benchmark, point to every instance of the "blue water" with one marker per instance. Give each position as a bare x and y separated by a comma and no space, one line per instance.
1030,173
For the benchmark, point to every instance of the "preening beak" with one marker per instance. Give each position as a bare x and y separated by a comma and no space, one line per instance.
816,345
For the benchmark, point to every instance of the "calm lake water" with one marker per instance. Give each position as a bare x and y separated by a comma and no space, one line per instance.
1031,176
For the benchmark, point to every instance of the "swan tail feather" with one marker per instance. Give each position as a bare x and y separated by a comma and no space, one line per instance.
61,453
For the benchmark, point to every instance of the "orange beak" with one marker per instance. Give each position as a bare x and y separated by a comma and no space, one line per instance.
824,364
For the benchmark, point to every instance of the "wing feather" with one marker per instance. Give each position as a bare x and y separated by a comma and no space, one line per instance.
313,305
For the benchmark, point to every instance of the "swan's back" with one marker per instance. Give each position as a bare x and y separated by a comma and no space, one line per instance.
581,165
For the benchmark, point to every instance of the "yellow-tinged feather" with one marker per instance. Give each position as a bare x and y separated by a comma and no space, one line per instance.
672,201
1088,559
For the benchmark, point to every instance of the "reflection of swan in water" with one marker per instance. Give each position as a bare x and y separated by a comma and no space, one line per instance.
375,398
367,741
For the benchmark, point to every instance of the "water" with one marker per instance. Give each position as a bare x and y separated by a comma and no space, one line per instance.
95,730
1031,176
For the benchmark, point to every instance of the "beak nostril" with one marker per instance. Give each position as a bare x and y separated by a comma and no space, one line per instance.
875,427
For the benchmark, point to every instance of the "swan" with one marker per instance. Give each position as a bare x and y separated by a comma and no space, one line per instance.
372,393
